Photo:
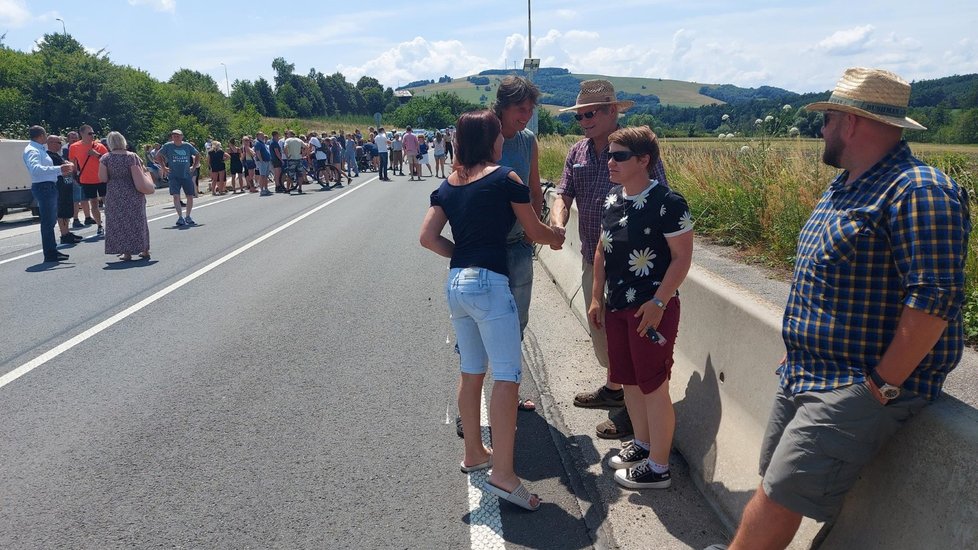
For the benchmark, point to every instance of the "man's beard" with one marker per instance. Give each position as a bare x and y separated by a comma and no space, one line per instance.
832,155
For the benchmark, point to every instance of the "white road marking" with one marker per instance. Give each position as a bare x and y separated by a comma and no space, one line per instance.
38,251
485,523
72,342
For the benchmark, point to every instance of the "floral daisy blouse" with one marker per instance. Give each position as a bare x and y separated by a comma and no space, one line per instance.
634,230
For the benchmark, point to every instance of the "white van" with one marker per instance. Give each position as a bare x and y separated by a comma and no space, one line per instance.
15,183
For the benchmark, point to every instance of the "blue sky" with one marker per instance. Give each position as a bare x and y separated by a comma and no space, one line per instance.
801,46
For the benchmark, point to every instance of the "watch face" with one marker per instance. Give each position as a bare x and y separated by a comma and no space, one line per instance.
890,393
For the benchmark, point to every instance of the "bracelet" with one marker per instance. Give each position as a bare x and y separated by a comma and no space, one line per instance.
658,303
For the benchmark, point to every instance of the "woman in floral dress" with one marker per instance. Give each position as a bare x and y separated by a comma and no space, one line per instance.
127,232
644,254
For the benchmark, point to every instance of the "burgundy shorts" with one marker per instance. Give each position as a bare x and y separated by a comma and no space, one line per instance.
634,359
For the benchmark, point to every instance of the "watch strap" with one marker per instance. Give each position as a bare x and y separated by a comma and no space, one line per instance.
659,303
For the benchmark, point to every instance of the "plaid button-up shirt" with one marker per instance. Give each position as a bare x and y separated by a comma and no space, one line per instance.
896,237
585,179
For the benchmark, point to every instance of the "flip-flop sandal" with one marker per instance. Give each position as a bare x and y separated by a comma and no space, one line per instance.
526,405
469,469
519,496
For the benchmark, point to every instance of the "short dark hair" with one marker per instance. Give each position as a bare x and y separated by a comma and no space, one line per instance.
512,91
475,137
640,140
36,132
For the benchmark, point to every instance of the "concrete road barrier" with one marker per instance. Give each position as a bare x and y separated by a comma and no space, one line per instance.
920,492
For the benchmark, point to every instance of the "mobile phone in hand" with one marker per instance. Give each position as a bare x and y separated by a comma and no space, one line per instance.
655,336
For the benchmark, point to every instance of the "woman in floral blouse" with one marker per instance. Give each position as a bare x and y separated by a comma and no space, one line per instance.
643,255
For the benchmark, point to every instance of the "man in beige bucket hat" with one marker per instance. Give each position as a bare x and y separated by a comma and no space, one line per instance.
873,321
585,180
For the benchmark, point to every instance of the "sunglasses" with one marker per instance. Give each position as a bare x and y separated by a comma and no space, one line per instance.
588,115
91,133
622,156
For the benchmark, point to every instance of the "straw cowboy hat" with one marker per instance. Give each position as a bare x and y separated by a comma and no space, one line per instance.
871,93
598,92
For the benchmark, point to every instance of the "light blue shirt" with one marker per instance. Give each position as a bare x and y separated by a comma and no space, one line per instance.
39,164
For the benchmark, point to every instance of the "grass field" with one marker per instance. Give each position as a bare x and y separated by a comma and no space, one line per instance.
757,199
670,92
328,124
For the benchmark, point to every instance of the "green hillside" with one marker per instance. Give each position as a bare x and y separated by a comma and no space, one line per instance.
670,92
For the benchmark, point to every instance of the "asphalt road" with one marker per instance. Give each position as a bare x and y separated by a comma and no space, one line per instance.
255,385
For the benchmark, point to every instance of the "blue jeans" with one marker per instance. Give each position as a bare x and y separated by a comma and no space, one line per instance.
351,162
486,323
46,195
519,261
383,166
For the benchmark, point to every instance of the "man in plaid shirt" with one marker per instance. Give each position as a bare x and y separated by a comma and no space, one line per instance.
873,322
585,180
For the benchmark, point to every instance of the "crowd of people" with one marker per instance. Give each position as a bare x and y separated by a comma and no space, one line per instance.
288,162
872,326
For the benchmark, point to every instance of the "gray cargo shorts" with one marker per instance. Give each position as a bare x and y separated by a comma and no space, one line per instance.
818,441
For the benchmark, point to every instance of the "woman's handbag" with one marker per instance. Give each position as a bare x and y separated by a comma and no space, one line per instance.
141,178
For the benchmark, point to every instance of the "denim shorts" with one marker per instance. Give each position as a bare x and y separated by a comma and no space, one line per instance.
264,167
185,184
487,326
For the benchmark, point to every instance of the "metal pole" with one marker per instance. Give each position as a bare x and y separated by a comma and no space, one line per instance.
227,84
64,30
529,31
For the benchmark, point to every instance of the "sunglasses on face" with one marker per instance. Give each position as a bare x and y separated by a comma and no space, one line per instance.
588,115
91,133
621,156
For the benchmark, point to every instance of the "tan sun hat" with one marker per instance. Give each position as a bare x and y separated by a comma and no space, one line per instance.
871,93
598,92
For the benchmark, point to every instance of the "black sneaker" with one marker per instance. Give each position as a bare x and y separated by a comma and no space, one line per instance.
77,224
89,221
70,239
642,477
630,456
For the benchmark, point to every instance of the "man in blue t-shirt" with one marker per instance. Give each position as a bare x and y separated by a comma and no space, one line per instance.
179,160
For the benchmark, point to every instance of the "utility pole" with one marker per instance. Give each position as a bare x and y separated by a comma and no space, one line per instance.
530,65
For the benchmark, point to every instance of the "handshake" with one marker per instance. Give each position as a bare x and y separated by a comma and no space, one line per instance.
560,232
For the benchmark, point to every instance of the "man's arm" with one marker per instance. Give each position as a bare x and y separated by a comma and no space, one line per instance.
916,334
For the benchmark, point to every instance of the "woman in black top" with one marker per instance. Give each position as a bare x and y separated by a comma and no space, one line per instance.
643,255
481,200
215,158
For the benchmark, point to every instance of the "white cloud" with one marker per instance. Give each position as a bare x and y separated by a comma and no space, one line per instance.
157,5
964,57
14,13
418,59
682,43
847,41
567,14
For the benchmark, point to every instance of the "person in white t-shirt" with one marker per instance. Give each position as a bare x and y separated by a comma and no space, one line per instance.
322,159
381,142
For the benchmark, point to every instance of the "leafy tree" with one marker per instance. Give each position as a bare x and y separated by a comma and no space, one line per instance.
546,123
266,97
186,79
368,82
283,71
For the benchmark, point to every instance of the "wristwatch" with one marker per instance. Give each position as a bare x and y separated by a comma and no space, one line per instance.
888,391
658,302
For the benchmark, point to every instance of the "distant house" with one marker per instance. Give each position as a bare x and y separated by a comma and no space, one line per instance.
403,95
